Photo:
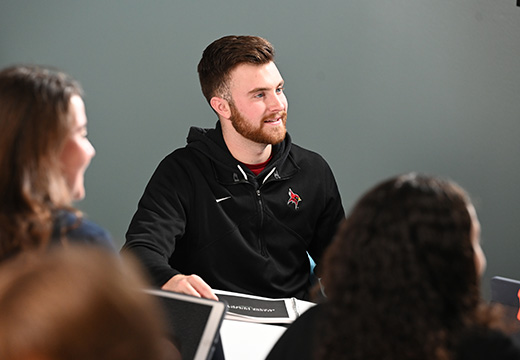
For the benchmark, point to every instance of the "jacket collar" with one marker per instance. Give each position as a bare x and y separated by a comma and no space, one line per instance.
228,170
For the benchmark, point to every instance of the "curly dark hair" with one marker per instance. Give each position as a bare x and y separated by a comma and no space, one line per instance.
401,277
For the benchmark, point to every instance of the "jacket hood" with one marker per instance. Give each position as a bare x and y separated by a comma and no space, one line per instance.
211,143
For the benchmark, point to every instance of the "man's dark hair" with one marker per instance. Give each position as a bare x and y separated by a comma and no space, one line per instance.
224,54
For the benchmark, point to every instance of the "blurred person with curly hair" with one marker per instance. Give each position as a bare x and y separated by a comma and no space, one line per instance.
402,281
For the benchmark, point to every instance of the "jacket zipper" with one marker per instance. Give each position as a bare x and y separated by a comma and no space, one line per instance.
261,241
261,244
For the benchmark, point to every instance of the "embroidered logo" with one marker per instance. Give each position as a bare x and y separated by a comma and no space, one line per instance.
294,199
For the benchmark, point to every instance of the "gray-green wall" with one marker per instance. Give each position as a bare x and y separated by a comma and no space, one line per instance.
377,87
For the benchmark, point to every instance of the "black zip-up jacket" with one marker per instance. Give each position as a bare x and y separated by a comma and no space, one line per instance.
203,212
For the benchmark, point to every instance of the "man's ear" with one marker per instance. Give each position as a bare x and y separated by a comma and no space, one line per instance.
221,107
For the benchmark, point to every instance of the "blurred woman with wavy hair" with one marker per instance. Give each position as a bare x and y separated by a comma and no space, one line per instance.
402,281
44,152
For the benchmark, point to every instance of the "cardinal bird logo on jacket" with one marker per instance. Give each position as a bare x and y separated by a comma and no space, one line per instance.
294,199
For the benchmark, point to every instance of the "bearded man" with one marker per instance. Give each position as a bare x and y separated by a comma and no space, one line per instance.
240,206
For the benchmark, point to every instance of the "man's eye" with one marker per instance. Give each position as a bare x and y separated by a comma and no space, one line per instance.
279,90
261,95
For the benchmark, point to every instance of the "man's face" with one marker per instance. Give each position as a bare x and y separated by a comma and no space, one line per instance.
258,104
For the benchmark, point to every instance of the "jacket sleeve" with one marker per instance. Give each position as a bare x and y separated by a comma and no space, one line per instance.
160,220
330,217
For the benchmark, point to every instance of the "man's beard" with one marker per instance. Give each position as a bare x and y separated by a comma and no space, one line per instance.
263,134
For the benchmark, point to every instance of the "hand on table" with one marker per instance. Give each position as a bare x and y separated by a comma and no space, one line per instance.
191,285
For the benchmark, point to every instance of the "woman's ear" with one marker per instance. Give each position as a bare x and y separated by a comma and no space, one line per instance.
221,107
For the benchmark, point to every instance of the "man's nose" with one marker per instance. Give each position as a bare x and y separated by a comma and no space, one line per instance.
277,102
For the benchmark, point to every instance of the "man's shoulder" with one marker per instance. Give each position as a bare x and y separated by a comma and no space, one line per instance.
301,154
303,150
183,155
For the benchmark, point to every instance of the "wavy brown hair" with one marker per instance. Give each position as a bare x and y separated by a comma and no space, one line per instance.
400,277
225,54
34,126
